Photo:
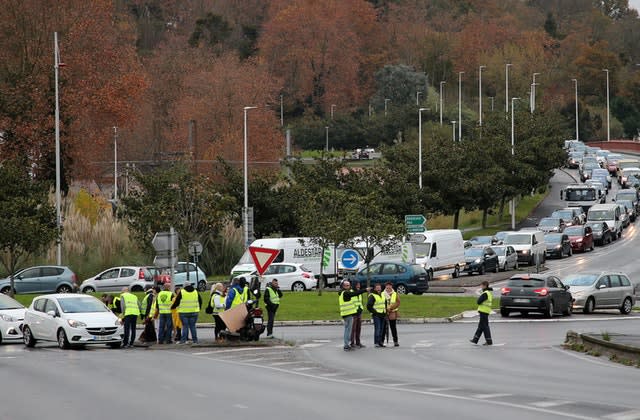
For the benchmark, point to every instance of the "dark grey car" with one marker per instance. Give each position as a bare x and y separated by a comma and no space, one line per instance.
527,293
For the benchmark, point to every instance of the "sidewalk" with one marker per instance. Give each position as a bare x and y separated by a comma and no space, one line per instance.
621,348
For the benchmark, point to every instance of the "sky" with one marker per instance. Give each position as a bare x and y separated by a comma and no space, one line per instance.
635,4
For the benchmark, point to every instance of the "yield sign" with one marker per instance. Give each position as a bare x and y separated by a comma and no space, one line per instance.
263,257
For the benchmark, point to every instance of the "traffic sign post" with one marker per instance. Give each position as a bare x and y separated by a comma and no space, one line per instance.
166,246
350,259
415,223
263,257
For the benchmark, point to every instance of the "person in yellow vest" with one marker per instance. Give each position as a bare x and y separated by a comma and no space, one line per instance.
130,313
393,303
238,293
163,306
175,317
485,301
357,319
188,303
346,303
272,295
377,305
218,304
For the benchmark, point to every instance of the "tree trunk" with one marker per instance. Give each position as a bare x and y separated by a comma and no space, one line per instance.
501,211
456,219
484,218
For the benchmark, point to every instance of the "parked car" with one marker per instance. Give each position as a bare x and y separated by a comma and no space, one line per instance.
500,235
529,245
581,237
579,213
551,224
558,245
115,278
601,290
184,269
11,318
535,293
406,278
71,320
480,259
569,217
602,234
294,277
632,212
507,257
42,279
483,240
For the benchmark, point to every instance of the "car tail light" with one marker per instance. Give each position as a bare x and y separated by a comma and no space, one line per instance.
306,275
506,291
141,274
542,292
74,279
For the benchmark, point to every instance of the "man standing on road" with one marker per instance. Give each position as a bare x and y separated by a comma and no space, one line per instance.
357,319
130,312
393,303
188,303
377,306
484,309
272,297
348,309
163,304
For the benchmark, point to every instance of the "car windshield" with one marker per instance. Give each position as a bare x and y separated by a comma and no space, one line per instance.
627,203
525,282
303,268
481,239
580,279
553,238
626,196
574,230
601,215
418,270
474,252
563,214
516,239
8,303
581,194
595,226
500,250
81,305
548,222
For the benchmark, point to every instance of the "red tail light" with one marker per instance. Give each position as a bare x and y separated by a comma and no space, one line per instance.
306,275
74,278
542,292
506,291
141,274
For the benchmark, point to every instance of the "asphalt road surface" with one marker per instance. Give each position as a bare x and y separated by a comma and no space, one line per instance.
434,374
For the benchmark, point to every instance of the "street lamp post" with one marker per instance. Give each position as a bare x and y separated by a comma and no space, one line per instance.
332,108
513,142
245,209
420,146
575,81
608,121
326,139
506,88
454,130
115,165
480,94
441,100
492,98
418,93
385,106
56,67
460,105
532,101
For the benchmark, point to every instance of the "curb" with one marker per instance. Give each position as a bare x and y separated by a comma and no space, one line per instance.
616,352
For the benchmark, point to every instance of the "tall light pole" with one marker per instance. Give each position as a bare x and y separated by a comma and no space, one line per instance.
245,209
575,81
532,101
506,88
385,106
418,93
492,98
608,121
513,142
115,165
420,146
454,130
332,108
460,73
480,93
56,67
441,100
326,139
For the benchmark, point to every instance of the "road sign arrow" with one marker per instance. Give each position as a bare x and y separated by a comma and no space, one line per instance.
414,219
350,258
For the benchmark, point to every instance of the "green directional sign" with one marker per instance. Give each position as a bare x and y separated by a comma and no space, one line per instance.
415,223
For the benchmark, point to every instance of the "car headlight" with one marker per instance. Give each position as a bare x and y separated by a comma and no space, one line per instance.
76,324
579,240
558,246
7,318
118,323
525,251
477,261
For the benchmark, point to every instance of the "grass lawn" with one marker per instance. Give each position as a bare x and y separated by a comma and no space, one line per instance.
304,306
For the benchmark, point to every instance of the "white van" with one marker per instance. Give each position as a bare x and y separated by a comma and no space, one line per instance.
292,250
609,213
529,245
439,251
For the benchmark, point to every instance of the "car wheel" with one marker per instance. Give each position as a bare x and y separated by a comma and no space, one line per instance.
88,289
5,290
202,285
497,269
401,289
550,310
64,288
626,307
569,310
136,289
570,252
429,276
115,345
481,270
63,343
298,287
27,337
456,272
504,312
589,306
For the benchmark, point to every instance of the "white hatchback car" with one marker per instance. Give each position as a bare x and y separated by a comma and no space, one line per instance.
11,317
71,320
114,279
294,277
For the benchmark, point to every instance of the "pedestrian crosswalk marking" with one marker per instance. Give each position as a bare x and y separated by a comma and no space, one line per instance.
549,404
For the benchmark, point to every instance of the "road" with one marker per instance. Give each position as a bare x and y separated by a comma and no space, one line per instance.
435,373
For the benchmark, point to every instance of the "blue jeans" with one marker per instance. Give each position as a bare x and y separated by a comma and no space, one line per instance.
378,329
189,324
348,325
165,328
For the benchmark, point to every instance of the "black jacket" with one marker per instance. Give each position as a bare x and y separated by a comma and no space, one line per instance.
483,296
179,298
267,299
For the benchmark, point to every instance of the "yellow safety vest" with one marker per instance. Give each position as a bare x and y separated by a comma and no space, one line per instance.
346,308
240,298
188,302
485,307
379,304
145,302
392,300
216,311
130,304
357,300
164,302
273,296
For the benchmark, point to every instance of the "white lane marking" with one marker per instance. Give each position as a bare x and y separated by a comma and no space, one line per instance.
624,415
258,359
548,404
585,319
241,406
403,384
488,396
203,353
589,359
321,341
8,357
200,395
303,369
311,345
442,389
363,379
284,363
330,375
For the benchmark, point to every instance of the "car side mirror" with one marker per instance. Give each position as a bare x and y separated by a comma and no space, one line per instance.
561,194
566,287
52,313
602,286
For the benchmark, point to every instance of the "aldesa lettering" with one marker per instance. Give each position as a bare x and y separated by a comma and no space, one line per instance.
307,253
